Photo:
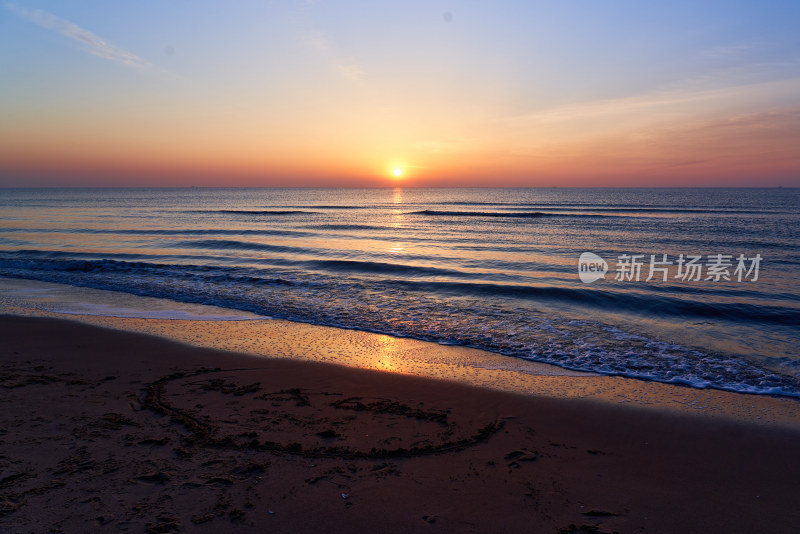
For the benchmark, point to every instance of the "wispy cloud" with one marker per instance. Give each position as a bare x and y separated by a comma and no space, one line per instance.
667,105
749,140
616,107
346,67
728,50
94,44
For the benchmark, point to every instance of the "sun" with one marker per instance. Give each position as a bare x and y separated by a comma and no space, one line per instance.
397,172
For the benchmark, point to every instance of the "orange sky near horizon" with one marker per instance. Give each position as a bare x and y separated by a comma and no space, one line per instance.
299,95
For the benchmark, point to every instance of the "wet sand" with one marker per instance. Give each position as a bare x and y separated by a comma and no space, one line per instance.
366,350
116,431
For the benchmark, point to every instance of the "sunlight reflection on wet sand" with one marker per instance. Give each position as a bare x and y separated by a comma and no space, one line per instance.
286,339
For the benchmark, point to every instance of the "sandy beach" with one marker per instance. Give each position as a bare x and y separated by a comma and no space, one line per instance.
113,431
399,267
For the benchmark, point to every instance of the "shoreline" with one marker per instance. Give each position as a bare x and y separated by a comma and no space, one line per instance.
278,338
124,431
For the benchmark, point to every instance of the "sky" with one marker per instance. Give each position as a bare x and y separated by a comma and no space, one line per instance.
471,93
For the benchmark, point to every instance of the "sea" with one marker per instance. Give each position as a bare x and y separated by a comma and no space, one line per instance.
697,287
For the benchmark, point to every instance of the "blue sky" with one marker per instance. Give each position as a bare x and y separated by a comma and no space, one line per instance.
325,93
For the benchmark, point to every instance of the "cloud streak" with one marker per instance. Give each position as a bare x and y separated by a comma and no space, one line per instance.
93,44
347,68
599,119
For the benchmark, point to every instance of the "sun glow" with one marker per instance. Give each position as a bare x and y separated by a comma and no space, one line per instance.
397,172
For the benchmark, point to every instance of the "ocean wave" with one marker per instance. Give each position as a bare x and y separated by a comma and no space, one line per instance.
346,227
662,306
376,267
511,214
260,212
635,208
397,275
164,231
437,213
579,345
328,207
227,244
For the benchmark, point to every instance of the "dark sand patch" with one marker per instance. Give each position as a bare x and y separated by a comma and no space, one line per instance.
186,439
